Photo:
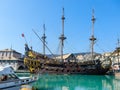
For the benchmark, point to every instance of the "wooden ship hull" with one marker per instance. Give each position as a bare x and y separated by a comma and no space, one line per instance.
43,64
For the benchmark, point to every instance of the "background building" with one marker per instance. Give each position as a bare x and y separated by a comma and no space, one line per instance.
11,57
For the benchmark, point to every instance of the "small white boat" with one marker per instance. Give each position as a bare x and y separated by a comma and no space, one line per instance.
8,78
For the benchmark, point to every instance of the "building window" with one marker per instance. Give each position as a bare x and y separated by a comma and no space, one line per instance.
10,54
2,53
6,53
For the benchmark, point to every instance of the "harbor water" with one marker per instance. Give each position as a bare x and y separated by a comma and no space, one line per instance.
77,82
74,82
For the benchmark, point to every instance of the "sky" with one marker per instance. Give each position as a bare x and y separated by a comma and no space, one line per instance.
21,16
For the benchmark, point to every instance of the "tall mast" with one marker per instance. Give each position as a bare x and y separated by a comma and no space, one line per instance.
62,37
92,39
43,38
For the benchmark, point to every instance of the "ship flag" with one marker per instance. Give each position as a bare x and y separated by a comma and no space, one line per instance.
22,34
24,37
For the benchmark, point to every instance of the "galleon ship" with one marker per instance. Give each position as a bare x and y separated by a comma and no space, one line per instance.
40,63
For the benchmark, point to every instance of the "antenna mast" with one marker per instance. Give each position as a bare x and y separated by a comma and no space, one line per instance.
43,38
92,39
118,43
118,50
62,37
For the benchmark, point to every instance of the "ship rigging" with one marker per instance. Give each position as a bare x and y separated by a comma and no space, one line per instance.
40,63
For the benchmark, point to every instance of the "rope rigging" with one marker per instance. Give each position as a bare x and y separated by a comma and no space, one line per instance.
42,42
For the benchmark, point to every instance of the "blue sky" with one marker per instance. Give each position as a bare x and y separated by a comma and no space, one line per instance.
21,16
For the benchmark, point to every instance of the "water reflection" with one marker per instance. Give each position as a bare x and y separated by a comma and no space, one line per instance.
73,82
77,82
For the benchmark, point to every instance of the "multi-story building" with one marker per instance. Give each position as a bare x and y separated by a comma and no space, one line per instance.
115,57
11,57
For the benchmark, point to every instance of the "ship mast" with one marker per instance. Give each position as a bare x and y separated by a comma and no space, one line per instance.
43,38
92,39
62,37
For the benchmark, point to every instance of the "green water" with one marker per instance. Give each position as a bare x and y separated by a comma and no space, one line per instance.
77,82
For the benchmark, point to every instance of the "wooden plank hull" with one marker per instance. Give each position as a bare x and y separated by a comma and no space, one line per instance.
53,67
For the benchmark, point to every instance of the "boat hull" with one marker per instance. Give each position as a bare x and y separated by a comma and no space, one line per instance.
17,82
8,78
88,68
